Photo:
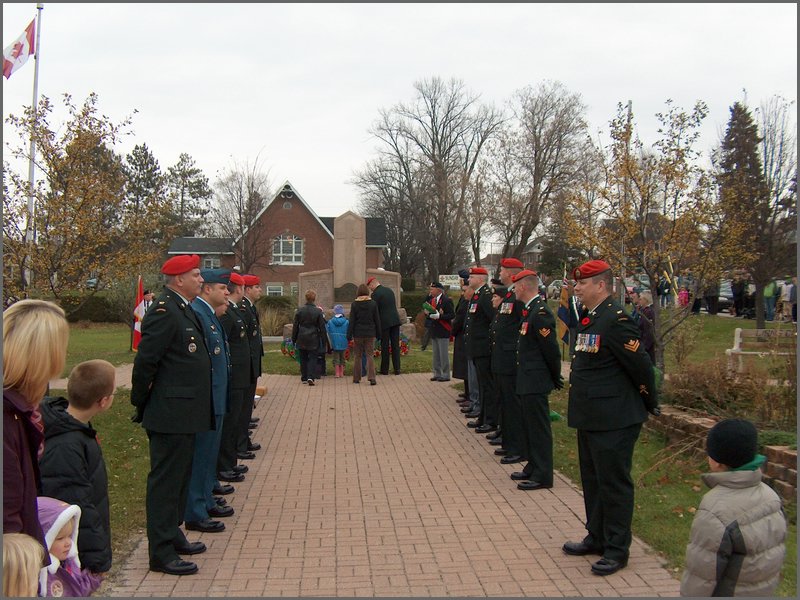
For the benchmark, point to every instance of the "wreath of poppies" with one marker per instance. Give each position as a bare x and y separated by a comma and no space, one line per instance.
289,349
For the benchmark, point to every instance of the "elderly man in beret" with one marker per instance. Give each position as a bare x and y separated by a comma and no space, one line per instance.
441,327
245,448
171,390
480,314
611,391
200,503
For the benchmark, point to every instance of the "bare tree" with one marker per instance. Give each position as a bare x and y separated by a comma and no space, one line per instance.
240,193
479,209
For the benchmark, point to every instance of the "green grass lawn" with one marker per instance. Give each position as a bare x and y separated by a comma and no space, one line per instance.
666,497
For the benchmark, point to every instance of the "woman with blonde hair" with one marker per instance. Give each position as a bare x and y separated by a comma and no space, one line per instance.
35,335
22,563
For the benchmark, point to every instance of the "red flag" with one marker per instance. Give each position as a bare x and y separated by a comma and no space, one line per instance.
138,315
15,55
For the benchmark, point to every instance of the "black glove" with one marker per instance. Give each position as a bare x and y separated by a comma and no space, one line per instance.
559,383
655,411
137,416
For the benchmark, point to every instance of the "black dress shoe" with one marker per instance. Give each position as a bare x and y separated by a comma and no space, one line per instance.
530,484
220,501
382,373
510,459
434,379
463,395
485,428
607,566
245,455
373,382
466,409
230,476
191,548
500,452
253,446
398,372
472,415
206,525
240,469
251,426
223,490
176,567
443,379
520,475
255,419
494,435
580,549
474,424
220,511
496,442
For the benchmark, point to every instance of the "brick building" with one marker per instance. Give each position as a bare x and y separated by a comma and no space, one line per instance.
299,241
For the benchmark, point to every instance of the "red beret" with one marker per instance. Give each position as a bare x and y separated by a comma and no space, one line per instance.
370,280
178,265
590,269
251,280
478,271
522,275
512,263
237,279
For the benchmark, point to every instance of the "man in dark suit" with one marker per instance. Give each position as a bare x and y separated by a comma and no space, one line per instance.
171,390
476,336
611,391
252,292
390,324
441,319
539,371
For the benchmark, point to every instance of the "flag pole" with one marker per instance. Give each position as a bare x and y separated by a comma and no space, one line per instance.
29,230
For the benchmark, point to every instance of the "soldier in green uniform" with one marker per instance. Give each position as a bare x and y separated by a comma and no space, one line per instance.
171,390
539,371
611,391
252,292
390,325
480,314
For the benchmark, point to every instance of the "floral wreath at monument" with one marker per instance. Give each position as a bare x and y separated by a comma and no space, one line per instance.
288,348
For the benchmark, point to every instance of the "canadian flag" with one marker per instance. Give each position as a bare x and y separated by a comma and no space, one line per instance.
138,315
15,55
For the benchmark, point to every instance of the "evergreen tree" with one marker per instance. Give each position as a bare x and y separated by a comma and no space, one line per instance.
189,192
145,181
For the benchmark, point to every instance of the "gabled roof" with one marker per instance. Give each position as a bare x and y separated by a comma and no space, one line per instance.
375,230
201,245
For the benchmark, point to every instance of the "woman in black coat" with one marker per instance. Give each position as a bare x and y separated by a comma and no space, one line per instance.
308,332
364,328
459,351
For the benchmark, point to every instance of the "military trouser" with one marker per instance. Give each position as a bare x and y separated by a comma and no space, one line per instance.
537,436
483,368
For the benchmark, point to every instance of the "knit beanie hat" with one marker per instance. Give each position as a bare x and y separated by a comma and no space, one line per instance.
338,309
732,442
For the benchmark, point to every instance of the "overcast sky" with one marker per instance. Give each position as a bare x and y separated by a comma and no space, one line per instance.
300,85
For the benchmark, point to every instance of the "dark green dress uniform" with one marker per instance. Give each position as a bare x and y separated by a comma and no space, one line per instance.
171,390
250,317
390,328
538,372
480,314
239,345
504,335
611,391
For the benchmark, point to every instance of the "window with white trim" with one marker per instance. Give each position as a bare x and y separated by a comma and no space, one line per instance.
211,262
274,290
287,249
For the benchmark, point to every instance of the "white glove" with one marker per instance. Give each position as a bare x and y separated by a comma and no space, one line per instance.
435,316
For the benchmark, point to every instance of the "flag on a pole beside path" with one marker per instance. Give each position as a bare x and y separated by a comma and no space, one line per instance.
562,324
16,55
138,315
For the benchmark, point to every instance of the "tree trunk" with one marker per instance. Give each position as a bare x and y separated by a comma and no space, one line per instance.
759,302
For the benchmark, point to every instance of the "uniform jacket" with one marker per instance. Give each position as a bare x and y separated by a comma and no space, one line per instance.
21,479
337,332
504,335
442,327
365,322
218,353
171,380
387,306
308,328
239,346
611,381
459,349
480,315
73,470
736,545
250,317
538,356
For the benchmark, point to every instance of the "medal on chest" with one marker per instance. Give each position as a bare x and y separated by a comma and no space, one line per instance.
473,307
524,328
506,308
587,342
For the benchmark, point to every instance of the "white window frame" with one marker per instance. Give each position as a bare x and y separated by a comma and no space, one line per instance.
295,256
211,262
270,289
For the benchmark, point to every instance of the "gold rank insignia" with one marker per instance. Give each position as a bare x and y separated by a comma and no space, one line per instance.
643,390
544,331
632,345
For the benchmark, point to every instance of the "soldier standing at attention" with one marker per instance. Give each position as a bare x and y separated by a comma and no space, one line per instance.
479,349
252,292
611,391
171,390
538,372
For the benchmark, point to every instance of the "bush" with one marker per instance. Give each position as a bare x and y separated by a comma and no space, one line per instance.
409,284
94,307
275,312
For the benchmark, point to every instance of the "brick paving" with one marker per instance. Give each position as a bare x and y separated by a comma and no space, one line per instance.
381,490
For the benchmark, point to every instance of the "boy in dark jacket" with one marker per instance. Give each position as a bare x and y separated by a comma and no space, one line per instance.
72,466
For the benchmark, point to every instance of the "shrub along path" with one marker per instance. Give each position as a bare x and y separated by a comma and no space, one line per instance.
383,491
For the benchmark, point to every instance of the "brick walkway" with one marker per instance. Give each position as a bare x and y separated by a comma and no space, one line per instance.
383,491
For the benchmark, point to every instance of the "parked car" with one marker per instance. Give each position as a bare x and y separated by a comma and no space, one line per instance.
725,301
554,289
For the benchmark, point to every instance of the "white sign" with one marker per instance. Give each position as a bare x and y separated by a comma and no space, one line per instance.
453,281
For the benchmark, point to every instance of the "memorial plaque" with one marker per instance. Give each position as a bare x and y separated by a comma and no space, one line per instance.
319,281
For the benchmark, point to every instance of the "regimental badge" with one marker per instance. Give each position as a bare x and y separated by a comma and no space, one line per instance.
213,327
506,308
632,345
473,307
544,332
192,347
643,390
577,273
524,329
217,350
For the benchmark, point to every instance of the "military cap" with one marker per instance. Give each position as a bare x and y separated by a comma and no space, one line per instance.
523,274
237,279
590,269
436,284
216,275
251,280
370,280
478,271
512,263
178,265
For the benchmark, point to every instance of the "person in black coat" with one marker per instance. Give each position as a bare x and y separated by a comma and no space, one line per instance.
364,328
245,447
480,315
459,351
612,389
390,324
72,466
308,332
